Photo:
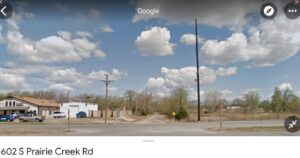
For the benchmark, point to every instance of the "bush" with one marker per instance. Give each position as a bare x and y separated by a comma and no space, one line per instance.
181,114
144,113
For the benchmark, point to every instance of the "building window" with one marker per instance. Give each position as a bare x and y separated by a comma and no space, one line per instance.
6,104
14,103
10,104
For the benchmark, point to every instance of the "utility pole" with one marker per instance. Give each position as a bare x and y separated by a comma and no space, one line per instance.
221,114
106,82
197,61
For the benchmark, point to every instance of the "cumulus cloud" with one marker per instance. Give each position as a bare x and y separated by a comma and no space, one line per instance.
51,49
100,75
84,34
106,28
155,83
190,39
285,86
185,77
69,79
266,44
65,35
155,42
214,13
60,87
66,76
11,81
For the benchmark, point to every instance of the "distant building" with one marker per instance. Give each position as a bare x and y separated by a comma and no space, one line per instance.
233,108
76,107
21,105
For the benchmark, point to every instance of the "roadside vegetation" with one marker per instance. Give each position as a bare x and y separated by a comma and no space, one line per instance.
248,107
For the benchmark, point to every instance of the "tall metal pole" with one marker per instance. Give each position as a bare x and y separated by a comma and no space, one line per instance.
106,82
197,61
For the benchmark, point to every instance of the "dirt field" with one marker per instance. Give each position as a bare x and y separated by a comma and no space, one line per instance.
237,116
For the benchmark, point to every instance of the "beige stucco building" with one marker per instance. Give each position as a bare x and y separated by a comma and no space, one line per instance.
41,107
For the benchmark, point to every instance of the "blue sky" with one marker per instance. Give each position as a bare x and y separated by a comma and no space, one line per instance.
237,56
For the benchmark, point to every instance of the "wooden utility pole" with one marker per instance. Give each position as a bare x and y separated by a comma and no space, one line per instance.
106,82
197,62
254,109
221,114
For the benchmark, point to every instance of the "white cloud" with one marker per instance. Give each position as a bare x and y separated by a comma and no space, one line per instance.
1,36
66,76
226,92
51,49
100,75
70,79
186,77
110,89
65,35
190,39
12,82
285,86
106,28
228,51
155,42
267,44
226,72
155,83
60,87
83,34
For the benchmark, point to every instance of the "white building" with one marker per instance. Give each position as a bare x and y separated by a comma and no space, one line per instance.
21,105
76,107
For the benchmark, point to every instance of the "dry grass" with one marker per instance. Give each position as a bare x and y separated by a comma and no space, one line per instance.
237,116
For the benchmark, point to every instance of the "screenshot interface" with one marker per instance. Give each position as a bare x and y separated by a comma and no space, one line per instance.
149,68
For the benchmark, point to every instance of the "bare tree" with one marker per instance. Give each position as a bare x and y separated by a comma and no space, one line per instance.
252,101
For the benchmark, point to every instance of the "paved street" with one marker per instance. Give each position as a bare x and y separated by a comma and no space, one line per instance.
144,128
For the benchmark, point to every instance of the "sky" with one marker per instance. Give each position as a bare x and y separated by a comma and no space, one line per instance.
70,45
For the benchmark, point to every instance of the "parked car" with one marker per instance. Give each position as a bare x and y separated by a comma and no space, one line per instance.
8,118
15,115
58,114
81,114
32,117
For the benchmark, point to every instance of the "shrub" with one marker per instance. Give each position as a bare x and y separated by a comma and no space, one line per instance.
181,114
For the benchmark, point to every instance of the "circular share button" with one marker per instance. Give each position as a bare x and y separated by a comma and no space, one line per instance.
268,10
292,124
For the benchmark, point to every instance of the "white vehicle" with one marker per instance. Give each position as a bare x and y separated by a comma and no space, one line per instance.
59,114
31,117
15,114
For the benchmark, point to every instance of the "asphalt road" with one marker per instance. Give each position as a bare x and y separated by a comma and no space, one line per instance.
150,128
